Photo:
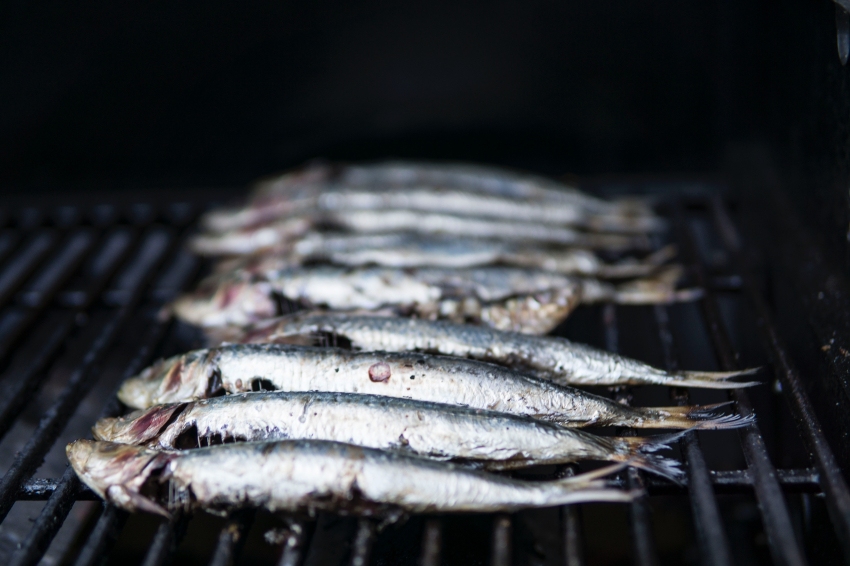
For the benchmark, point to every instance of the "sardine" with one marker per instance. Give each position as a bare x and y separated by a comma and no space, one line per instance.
312,476
283,232
488,180
524,300
340,200
547,357
406,250
444,432
421,377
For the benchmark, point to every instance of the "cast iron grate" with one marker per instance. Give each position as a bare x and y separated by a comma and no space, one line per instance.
80,290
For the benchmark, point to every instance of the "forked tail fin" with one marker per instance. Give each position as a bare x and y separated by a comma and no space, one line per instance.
689,417
589,487
712,379
639,451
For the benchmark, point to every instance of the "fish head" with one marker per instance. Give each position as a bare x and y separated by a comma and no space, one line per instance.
180,378
137,427
118,472
226,301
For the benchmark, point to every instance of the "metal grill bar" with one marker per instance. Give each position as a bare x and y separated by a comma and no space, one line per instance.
232,538
501,543
571,526
62,499
55,418
833,484
105,531
165,542
714,546
432,535
777,521
645,552
364,538
295,544
26,381
46,281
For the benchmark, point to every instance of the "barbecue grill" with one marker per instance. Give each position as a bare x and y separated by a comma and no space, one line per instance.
620,93
82,288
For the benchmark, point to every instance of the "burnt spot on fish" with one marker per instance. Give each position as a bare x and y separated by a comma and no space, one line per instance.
259,384
379,372
215,387
332,339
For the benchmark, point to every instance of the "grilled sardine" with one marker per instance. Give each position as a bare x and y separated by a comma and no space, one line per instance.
421,377
547,357
311,476
438,431
525,300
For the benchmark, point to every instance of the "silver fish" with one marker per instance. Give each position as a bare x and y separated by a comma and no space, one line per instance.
335,199
311,476
482,179
421,377
524,300
282,232
437,431
506,299
406,250
547,357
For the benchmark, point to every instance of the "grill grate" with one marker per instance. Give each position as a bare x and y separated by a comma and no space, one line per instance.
80,291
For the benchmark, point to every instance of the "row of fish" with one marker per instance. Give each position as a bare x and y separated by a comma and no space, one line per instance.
420,372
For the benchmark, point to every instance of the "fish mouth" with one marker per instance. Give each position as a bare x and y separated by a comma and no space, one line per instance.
120,473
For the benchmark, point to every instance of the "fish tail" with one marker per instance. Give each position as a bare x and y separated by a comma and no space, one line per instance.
638,268
688,417
639,451
712,379
660,288
590,486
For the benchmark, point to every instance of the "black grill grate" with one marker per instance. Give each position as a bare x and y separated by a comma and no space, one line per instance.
80,290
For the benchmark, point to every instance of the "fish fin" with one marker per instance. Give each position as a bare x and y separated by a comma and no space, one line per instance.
660,288
687,417
134,501
712,379
639,452
138,427
592,477
639,268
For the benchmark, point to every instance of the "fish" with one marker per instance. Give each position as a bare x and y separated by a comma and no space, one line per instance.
283,232
407,250
438,431
311,476
465,190
547,357
524,300
429,200
241,368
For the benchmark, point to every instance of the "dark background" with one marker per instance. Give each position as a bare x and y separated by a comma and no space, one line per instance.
107,95
155,93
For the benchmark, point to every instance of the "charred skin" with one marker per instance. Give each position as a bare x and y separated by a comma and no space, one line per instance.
432,430
311,476
422,377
